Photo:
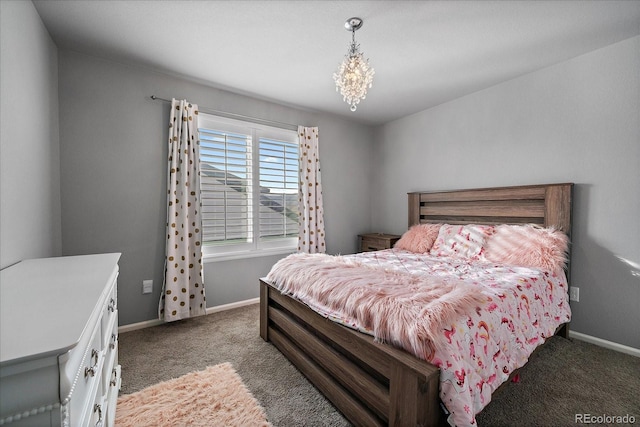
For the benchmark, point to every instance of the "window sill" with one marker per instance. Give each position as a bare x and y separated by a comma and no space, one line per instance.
207,258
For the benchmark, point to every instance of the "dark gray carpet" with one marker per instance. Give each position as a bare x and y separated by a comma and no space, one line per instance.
564,378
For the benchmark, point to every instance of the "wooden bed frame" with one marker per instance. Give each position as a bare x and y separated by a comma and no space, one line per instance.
375,384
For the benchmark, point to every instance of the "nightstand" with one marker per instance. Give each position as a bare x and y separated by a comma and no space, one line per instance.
376,241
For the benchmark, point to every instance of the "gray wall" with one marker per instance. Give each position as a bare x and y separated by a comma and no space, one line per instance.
577,121
29,149
113,175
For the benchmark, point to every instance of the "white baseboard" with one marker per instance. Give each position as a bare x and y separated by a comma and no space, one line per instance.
139,325
232,305
210,310
604,343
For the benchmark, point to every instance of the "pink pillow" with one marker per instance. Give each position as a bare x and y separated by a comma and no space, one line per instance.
419,238
461,241
528,246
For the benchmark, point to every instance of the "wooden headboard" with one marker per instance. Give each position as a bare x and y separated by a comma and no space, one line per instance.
547,205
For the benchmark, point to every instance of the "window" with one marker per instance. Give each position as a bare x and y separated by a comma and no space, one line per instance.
249,186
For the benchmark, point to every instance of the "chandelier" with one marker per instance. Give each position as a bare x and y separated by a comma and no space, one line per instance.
355,75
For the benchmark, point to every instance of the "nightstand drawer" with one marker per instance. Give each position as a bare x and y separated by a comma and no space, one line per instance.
376,241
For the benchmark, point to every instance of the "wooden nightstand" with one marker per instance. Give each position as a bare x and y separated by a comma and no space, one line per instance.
376,241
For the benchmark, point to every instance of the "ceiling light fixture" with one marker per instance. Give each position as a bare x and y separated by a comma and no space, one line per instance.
355,75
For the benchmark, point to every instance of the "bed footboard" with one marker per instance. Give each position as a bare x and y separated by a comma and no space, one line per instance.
371,384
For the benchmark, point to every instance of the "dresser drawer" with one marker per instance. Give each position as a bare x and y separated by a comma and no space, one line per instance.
376,241
95,414
112,395
98,413
373,244
109,312
110,356
86,384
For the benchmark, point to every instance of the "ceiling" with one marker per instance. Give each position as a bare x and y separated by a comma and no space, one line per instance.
424,52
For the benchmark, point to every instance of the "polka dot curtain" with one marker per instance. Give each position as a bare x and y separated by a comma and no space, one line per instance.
311,220
183,289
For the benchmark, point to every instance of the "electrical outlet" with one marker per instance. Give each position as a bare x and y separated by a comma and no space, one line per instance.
147,286
574,294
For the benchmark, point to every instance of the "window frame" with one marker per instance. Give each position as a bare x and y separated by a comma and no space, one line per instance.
256,247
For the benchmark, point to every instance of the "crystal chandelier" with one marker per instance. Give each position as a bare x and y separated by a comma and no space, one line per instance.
355,75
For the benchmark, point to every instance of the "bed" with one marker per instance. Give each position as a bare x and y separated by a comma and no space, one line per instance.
373,383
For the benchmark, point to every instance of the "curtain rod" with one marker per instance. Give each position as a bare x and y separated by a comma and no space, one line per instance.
226,114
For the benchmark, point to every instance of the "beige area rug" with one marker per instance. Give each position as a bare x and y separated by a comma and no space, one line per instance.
215,396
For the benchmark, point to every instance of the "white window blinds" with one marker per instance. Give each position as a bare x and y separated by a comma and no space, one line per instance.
226,186
278,189
249,201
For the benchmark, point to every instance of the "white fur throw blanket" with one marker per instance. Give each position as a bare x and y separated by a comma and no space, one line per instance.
406,310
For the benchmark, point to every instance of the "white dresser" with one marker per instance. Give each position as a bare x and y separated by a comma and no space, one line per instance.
59,342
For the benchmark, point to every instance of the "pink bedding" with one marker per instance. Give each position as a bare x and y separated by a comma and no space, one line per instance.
490,317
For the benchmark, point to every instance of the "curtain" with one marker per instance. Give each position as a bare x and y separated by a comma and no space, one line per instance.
183,289
311,220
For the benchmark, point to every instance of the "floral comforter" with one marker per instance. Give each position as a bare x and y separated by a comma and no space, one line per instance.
523,307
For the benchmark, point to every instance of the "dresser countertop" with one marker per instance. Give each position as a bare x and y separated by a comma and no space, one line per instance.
69,289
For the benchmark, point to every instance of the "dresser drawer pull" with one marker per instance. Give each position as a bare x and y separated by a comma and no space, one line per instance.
98,408
112,305
114,377
91,371
114,340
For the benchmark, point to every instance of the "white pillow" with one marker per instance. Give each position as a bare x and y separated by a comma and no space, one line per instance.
461,241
